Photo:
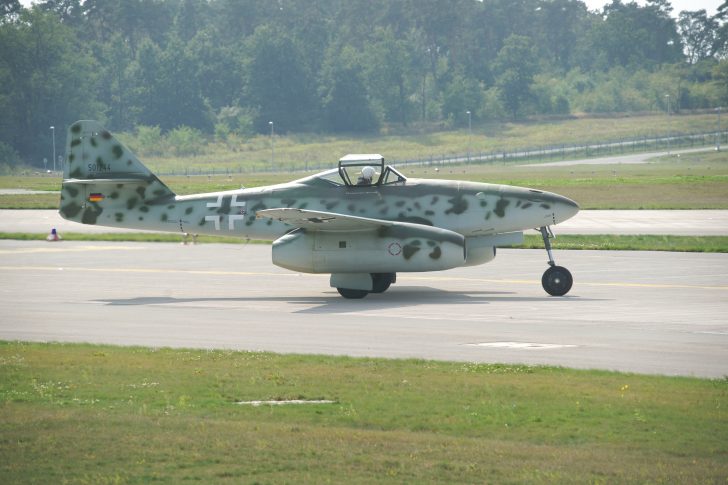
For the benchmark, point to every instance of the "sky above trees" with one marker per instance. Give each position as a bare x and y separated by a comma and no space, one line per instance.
710,6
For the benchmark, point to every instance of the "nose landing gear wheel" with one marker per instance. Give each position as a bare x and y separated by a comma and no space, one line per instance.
557,281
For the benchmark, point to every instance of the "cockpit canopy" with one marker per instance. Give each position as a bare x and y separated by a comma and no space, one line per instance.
367,170
358,171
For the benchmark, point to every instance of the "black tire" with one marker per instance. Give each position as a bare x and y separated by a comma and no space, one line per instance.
381,281
352,294
557,281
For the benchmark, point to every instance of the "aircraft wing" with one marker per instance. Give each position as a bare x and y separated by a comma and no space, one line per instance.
324,221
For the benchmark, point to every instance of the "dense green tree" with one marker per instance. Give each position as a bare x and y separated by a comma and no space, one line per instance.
721,37
9,9
48,79
387,63
559,25
515,67
279,83
699,33
9,158
462,94
167,92
633,35
68,11
346,103
116,83
720,78
216,68
190,18
238,19
134,20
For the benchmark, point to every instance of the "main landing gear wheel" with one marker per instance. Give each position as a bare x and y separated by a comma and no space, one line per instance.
557,281
353,294
381,281
380,284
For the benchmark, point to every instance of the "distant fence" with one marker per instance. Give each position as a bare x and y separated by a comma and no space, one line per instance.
519,155
571,152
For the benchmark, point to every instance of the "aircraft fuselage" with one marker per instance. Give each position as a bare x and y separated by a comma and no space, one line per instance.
468,208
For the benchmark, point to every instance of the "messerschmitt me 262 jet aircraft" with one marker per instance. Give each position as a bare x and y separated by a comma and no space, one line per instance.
363,222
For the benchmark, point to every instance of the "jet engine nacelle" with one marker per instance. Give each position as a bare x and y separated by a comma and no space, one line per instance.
481,249
480,255
379,251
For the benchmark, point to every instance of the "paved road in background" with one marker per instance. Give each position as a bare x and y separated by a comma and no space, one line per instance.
669,222
647,312
625,159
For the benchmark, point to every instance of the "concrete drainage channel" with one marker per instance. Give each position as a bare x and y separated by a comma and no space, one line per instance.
284,402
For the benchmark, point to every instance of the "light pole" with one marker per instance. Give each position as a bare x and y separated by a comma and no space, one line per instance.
272,149
53,130
717,135
669,124
470,132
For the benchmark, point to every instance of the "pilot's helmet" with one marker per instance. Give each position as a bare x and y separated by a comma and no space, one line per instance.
368,172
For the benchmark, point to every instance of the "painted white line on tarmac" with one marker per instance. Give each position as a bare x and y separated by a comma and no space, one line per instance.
521,345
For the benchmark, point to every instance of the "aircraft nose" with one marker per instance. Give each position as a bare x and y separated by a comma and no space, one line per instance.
564,209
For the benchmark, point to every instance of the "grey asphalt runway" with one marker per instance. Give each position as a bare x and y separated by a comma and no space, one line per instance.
646,312
672,222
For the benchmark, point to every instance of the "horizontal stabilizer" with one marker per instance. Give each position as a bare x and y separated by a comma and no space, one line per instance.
134,180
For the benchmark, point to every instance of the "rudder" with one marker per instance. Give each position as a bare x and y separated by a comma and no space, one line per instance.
100,168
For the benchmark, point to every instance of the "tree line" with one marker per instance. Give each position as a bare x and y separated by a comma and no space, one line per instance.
234,66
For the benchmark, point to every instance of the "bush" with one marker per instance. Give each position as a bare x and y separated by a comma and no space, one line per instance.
237,120
8,155
222,132
149,139
186,141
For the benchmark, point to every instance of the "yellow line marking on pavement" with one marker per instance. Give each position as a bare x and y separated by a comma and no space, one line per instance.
657,285
580,283
404,278
74,249
144,270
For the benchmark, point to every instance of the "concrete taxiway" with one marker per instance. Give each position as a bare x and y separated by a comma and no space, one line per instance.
647,312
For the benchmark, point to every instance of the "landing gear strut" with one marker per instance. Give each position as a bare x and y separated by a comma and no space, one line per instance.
556,280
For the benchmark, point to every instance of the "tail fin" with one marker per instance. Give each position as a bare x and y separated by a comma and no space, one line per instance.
98,167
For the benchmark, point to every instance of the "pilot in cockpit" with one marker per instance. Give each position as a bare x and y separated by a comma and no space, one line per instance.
367,174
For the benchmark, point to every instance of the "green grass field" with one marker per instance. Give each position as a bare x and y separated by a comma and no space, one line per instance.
99,414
